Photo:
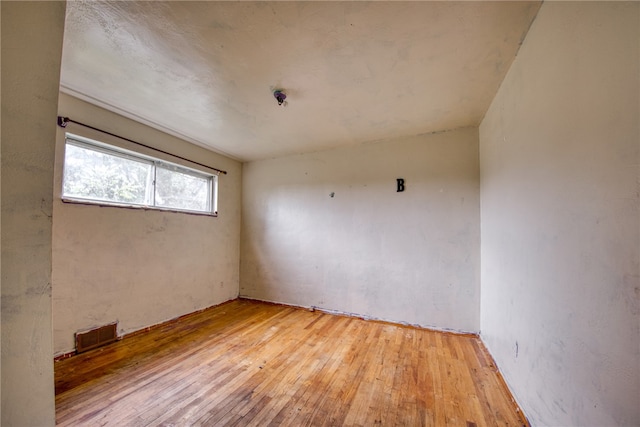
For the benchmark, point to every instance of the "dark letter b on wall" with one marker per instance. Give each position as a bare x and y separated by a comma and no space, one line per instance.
400,185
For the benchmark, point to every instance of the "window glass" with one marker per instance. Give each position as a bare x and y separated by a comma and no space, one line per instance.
93,174
179,189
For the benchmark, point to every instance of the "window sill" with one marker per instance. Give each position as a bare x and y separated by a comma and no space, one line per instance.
135,207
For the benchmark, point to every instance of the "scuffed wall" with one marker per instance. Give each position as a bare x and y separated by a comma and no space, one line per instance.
329,230
31,50
560,221
139,267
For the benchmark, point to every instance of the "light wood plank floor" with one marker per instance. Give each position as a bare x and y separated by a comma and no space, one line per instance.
249,363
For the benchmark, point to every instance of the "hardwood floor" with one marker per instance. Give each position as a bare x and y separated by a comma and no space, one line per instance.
249,363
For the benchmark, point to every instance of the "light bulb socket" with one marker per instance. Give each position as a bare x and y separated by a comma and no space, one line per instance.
280,96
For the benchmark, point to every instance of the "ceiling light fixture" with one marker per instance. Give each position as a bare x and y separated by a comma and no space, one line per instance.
280,96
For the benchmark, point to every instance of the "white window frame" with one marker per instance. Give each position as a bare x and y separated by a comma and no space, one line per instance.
112,150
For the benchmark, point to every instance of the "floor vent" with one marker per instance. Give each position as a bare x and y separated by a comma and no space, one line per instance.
97,337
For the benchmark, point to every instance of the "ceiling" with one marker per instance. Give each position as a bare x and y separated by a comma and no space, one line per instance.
352,71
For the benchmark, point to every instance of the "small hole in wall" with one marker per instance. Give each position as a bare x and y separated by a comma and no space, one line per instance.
332,194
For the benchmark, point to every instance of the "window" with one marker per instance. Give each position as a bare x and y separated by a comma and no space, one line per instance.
99,173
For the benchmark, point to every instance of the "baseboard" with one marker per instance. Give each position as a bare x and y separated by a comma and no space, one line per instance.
365,317
521,414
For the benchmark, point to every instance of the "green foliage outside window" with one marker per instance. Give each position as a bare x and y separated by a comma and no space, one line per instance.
100,174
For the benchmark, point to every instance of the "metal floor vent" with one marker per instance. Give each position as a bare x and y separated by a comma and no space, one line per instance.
97,337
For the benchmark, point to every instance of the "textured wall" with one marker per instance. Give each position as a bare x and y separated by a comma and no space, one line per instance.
411,256
31,51
559,208
139,267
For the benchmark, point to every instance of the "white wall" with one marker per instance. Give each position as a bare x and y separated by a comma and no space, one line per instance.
31,49
369,250
560,221
139,267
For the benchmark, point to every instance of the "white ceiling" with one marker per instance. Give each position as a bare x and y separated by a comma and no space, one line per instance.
352,71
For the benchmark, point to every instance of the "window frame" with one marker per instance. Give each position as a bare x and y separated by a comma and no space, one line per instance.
154,162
